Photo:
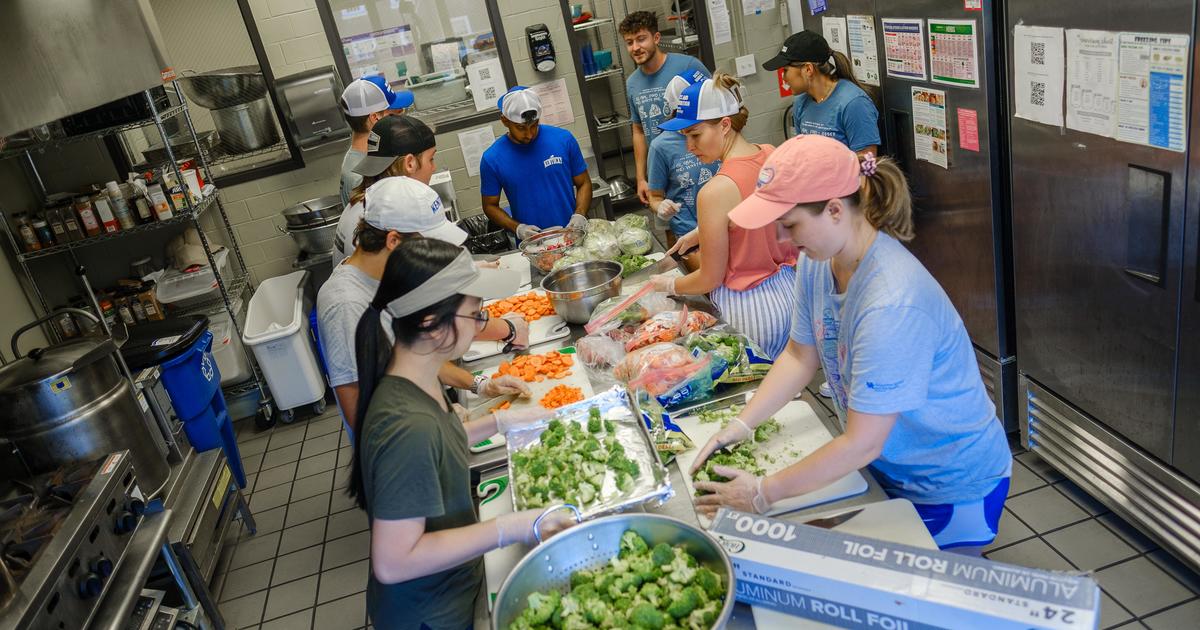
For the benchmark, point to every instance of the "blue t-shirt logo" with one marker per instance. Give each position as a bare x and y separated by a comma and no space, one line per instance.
551,161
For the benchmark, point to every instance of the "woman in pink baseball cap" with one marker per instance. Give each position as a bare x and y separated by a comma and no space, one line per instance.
905,382
747,273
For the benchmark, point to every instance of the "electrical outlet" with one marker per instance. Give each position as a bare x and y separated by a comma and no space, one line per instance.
745,65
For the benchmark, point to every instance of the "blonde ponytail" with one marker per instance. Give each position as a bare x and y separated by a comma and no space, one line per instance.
729,82
395,169
885,201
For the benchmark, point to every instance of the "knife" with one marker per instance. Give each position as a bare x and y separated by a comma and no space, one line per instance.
833,521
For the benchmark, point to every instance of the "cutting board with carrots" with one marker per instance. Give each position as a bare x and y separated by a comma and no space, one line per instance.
544,324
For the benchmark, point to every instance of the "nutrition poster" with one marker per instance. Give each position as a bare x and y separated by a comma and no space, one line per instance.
953,59
1152,90
864,51
930,137
1092,82
904,48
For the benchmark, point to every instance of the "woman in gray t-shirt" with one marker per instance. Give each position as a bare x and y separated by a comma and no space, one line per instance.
410,468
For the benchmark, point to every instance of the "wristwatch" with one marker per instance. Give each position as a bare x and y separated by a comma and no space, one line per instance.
479,379
510,337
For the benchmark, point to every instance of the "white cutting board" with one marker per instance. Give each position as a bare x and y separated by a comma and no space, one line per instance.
577,378
546,328
495,499
801,432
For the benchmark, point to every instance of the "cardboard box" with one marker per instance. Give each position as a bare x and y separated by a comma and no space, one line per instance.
856,582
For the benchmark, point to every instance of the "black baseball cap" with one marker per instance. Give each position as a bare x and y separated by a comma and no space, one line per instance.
393,137
802,47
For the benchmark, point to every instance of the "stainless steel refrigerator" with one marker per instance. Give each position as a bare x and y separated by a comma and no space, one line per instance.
962,231
1106,312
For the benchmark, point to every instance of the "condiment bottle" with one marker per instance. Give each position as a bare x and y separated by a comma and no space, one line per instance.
56,226
71,224
28,236
104,212
87,216
41,228
119,205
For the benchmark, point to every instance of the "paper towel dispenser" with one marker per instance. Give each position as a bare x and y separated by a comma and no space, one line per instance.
310,106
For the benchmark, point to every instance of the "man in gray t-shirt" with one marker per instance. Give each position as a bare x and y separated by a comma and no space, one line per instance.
364,102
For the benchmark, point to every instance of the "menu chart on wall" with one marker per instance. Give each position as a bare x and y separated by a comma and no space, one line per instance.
556,102
1152,89
834,30
930,137
473,143
1092,82
1038,74
904,48
953,59
864,52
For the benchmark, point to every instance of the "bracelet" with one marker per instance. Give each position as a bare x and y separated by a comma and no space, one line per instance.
512,331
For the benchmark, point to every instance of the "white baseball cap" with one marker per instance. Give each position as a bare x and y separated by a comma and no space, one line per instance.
373,94
403,204
678,84
517,102
700,101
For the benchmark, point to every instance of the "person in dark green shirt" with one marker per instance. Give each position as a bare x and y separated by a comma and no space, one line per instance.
410,469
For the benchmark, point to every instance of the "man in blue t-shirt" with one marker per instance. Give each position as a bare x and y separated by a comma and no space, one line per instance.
539,168
676,174
646,85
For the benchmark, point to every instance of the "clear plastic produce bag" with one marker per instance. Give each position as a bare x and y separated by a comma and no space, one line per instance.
745,360
635,241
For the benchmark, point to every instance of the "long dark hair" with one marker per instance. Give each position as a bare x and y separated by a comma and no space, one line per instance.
411,264
842,68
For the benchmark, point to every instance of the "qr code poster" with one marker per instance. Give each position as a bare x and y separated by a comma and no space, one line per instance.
487,83
1039,70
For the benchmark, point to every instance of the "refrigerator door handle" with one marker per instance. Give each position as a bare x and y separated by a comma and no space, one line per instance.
1148,212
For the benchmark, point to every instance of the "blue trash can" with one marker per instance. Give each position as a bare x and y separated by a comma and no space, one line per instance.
182,349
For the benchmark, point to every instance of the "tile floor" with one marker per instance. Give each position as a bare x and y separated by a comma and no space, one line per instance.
307,566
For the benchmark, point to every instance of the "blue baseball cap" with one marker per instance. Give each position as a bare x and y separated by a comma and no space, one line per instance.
700,101
373,94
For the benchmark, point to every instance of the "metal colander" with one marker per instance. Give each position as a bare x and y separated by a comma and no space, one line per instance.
548,567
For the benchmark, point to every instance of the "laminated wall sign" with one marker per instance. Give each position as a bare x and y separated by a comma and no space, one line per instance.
904,48
864,50
930,134
1092,82
1038,74
1152,90
953,52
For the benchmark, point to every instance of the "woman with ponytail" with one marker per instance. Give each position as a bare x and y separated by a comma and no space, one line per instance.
410,470
905,382
748,274
830,101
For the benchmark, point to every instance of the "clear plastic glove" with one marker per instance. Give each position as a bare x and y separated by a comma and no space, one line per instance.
517,527
734,432
664,283
502,386
488,264
509,419
578,222
526,231
521,341
686,243
460,411
666,209
743,492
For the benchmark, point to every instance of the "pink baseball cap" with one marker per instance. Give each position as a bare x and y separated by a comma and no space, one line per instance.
806,169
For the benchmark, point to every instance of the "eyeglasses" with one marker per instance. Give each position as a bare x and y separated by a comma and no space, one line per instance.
481,318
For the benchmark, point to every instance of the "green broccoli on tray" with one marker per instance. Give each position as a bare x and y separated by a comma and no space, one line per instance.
570,463
656,588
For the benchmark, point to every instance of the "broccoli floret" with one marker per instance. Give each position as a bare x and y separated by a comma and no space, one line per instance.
685,602
587,493
647,616
610,427
624,481
594,423
631,542
704,616
551,439
541,607
555,426
652,593
584,592
596,611
709,582
681,571
581,577
616,448
539,467
662,554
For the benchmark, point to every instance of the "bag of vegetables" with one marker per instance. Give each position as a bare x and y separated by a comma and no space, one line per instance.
669,326
669,373
635,241
745,361
631,221
628,309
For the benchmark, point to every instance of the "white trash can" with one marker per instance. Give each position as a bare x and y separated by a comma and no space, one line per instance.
277,332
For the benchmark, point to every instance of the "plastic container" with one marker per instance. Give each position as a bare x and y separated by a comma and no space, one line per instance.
87,216
227,348
120,206
104,214
277,331
182,290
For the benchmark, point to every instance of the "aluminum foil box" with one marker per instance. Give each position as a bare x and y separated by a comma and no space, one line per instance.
857,582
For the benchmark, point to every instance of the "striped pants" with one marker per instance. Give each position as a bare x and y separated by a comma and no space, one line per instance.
764,313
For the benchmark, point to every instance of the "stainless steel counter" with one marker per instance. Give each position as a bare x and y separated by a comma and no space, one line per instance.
491,463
